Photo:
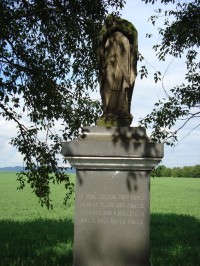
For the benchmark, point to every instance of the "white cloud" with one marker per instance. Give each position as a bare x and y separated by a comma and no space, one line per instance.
145,94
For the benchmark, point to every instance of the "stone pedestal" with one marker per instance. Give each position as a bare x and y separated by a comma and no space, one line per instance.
112,206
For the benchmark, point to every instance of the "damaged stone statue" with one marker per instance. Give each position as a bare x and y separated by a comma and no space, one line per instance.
117,55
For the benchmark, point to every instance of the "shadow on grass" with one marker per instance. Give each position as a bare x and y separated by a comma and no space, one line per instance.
38,242
175,240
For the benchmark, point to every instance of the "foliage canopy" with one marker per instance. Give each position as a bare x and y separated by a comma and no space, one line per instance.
186,171
180,37
48,68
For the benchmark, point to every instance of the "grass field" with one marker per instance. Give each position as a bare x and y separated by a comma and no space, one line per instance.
175,221
32,235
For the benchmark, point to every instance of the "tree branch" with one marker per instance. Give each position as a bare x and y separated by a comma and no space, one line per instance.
188,133
188,119
34,12
12,117
165,73
25,69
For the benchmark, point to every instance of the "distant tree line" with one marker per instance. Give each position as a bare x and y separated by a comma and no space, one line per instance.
186,171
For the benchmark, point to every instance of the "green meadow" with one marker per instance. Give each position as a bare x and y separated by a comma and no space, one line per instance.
32,235
175,221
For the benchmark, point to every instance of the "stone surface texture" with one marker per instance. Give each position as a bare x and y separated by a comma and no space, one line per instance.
112,206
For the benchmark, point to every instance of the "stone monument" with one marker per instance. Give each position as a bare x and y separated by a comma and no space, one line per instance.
113,162
118,52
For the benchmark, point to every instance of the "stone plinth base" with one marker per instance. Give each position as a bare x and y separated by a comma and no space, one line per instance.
112,195
114,122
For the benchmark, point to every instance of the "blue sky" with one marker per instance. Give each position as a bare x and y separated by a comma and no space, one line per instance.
146,93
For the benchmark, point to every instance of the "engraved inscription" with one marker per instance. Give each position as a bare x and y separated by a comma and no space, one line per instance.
111,208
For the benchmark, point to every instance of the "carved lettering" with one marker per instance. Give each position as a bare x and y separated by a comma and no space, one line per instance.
112,208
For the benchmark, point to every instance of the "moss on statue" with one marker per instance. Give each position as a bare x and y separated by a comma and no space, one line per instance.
117,58
113,24
113,121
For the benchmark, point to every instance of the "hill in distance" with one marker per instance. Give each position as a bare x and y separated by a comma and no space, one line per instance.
11,169
18,169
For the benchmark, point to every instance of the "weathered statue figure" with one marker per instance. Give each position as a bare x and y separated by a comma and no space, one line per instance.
118,49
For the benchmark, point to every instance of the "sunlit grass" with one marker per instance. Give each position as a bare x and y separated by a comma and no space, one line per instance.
175,221
32,235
